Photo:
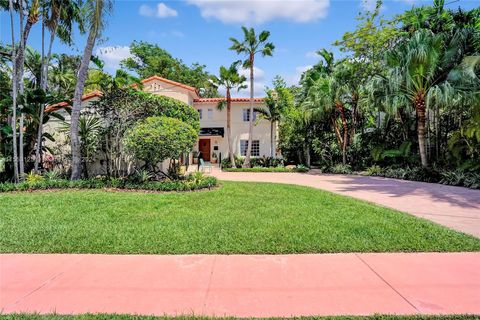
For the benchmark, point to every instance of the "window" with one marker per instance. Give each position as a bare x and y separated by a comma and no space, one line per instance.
210,114
255,148
246,115
200,113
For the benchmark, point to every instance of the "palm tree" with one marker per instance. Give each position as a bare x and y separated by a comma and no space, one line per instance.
277,101
94,15
229,79
324,100
58,16
416,69
250,46
14,95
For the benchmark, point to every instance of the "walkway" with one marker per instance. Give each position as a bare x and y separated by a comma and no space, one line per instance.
455,207
242,285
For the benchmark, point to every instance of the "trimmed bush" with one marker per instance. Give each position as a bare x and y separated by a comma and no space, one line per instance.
155,139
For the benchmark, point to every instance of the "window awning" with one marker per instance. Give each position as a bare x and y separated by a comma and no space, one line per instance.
219,131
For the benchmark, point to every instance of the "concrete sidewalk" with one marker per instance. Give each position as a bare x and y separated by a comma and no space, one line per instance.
242,285
454,207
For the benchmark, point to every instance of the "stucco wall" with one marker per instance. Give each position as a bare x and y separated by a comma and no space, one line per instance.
261,130
169,90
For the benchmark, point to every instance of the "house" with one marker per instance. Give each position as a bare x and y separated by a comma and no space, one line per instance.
212,142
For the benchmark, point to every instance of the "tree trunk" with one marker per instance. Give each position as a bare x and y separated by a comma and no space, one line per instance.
420,108
341,108
14,96
246,164
307,154
272,139
77,105
43,85
337,131
354,116
229,130
20,65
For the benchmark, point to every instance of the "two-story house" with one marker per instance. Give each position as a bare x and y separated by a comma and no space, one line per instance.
212,142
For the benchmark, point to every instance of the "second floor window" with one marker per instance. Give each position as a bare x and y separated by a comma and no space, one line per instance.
210,114
246,115
200,114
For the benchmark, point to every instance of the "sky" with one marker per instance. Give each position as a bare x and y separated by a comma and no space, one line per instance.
199,31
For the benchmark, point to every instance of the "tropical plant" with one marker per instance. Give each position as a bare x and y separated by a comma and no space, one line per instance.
418,70
250,46
58,17
230,80
94,13
155,139
277,101
90,131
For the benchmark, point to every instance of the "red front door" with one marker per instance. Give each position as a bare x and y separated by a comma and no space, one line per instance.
204,148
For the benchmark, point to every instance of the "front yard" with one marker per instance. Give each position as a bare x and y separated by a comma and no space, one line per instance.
236,218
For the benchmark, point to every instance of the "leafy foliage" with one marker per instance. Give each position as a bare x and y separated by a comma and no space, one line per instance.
149,59
155,139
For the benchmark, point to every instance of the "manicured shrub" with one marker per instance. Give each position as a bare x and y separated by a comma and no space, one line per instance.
155,139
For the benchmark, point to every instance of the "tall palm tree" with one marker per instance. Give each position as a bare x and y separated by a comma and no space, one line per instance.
94,15
416,69
250,46
276,102
58,16
14,94
229,79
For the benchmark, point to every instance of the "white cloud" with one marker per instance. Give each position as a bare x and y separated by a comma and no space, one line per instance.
162,11
258,83
146,11
258,73
260,11
295,78
311,54
112,56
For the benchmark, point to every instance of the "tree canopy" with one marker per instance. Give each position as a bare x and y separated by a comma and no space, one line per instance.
149,59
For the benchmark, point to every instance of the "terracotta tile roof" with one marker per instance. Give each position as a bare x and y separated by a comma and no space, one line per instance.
209,100
178,84
85,97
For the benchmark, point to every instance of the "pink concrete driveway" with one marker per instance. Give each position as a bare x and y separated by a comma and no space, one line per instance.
455,207
242,285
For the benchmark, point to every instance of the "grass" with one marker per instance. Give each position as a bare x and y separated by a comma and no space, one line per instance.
132,317
236,218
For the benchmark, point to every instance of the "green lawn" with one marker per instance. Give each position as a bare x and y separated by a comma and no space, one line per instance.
128,317
236,218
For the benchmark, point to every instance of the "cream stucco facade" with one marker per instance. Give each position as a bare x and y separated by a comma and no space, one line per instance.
213,118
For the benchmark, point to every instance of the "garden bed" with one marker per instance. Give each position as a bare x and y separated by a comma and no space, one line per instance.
188,184
461,178
267,169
